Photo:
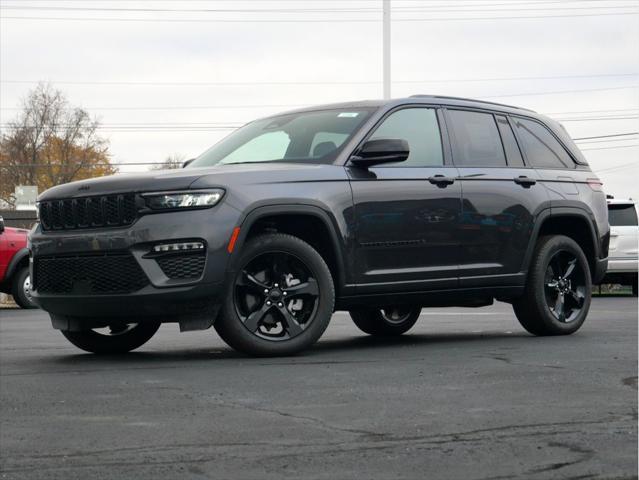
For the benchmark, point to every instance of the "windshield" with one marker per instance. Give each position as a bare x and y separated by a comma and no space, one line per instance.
307,137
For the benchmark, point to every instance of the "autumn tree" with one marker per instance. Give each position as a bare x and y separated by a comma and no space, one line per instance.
50,142
172,161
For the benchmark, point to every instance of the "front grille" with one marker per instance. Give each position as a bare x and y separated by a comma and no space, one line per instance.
182,266
88,274
88,212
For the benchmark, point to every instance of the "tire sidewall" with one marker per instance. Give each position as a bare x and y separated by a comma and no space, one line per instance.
232,329
94,342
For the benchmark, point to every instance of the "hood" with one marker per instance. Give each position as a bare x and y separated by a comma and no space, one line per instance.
205,177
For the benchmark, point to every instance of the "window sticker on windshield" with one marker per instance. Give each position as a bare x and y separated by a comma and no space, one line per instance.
348,115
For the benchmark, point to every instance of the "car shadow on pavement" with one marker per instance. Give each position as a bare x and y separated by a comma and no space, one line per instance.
323,351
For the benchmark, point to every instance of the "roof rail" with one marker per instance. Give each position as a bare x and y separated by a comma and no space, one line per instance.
471,100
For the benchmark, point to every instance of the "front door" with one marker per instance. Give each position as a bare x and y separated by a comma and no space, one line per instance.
407,213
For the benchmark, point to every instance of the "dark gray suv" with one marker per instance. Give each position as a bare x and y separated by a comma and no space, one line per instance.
377,208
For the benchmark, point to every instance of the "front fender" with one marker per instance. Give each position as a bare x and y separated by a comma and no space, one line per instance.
338,239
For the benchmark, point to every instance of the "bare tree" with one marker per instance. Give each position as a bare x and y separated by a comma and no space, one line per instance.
174,160
50,142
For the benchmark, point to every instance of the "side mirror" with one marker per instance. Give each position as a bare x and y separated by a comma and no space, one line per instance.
186,164
1,224
384,150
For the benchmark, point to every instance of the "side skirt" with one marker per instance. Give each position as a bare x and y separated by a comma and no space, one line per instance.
467,297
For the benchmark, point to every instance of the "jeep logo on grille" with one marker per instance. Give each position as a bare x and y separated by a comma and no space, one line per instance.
84,187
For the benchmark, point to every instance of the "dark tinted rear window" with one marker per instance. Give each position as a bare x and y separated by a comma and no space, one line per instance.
477,141
541,147
622,215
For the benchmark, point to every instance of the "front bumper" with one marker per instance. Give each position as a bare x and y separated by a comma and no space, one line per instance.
161,298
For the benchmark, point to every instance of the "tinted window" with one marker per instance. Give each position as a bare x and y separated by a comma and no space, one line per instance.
513,155
541,147
477,141
419,127
308,137
622,215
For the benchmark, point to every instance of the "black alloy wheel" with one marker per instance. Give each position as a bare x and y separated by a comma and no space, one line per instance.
118,337
276,296
280,300
386,321
565,286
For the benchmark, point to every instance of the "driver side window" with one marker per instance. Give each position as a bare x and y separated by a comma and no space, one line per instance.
420,128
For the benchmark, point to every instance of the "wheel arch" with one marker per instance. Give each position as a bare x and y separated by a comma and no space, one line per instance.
307,222
575,223
20,259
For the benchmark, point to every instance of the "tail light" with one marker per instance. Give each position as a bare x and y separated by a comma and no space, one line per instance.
595,184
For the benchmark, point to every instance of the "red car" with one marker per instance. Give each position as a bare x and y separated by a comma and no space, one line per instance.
14,265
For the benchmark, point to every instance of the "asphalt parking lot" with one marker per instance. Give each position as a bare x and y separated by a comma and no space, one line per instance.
467,394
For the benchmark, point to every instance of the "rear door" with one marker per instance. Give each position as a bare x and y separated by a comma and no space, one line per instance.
500,197
407,213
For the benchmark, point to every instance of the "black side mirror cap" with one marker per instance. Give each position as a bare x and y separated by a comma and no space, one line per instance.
1,224
383,150
189,161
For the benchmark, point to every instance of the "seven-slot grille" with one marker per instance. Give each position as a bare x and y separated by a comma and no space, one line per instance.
88,212
101,274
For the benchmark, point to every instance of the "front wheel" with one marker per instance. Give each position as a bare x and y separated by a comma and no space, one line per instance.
387,321
281,299
116,338
558,289
21,289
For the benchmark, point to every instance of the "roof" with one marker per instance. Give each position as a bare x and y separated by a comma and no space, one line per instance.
417,99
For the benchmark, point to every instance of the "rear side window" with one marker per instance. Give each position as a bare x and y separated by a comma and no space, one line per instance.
419,127
622,215
477,141
513,155
541,147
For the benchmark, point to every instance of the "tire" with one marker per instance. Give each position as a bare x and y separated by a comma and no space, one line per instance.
20,289
550,306
388,321
280,300
122,339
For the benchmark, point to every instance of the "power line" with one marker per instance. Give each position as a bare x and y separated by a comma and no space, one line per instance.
608,136
319,82
332,21
430,9
609,148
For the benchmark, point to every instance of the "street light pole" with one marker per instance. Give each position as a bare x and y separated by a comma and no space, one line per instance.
387,47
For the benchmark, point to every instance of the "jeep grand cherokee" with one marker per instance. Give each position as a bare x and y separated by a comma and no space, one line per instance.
376,208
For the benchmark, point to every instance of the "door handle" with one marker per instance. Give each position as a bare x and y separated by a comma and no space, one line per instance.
441,181
524,181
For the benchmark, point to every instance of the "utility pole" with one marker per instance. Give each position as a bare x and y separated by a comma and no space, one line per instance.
387,47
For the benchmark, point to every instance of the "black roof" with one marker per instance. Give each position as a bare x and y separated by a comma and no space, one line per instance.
430,99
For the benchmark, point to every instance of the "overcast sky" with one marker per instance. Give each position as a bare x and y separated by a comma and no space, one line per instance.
162,86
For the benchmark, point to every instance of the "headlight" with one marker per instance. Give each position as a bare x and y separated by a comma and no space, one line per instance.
178,200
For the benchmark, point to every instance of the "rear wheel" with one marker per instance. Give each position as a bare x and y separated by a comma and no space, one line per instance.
387,321
557,295
281,299
21,289
116,338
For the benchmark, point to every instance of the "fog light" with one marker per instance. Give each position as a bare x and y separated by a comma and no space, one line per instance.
174,247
